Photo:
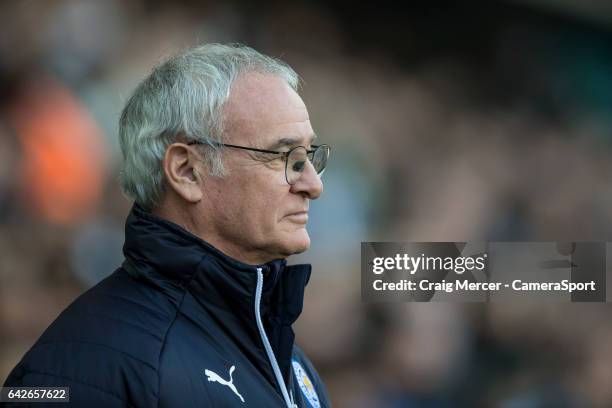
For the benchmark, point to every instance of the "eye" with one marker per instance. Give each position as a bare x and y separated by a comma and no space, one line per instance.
298,166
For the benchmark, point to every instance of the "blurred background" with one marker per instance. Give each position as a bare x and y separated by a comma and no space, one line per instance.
451,121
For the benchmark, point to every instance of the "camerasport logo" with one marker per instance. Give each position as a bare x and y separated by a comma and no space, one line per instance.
306,385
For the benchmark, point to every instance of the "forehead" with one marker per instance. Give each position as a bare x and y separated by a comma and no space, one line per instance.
263,109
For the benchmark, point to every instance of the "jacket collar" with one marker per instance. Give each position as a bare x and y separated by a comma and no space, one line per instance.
178,255
172,258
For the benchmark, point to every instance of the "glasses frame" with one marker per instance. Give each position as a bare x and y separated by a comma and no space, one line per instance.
309,153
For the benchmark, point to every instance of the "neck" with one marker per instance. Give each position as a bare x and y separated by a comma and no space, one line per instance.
187,221
240,254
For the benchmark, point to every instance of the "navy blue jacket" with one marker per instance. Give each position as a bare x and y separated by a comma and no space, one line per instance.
179,324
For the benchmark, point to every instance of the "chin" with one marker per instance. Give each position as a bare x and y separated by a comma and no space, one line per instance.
298,242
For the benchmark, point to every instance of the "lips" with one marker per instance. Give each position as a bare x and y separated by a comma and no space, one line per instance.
298,216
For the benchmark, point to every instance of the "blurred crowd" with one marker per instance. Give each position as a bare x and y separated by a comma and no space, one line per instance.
448,123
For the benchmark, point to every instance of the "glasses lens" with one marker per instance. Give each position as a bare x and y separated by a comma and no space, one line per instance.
296,163
319,159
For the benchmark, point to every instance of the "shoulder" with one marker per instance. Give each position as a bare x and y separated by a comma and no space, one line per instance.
109,336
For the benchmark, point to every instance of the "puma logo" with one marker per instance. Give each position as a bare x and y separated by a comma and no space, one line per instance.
214,377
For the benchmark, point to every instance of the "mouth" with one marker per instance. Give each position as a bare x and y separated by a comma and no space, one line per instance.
300,217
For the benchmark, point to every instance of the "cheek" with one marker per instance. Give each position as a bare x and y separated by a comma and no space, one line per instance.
261,209
271,207
258,201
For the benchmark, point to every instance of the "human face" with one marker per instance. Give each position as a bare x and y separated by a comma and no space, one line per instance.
257,215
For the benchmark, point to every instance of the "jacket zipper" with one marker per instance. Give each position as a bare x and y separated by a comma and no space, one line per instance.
266,342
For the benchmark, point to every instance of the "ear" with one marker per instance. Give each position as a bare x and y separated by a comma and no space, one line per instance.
181,173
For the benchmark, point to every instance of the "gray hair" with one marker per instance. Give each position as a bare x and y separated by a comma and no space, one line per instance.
183,96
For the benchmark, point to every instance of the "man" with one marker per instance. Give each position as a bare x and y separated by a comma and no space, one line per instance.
219,156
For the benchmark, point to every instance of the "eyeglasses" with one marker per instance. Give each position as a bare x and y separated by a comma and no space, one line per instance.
295,159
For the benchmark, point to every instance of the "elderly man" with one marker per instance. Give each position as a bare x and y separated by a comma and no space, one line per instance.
220,159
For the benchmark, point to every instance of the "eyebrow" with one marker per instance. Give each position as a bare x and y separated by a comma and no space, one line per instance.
290,141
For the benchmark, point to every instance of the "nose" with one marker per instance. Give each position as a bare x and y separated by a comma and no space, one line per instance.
309,183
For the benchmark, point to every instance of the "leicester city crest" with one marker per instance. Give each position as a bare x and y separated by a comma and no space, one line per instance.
306,385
